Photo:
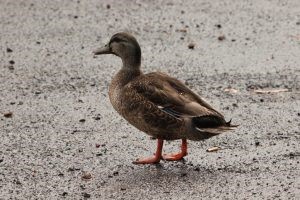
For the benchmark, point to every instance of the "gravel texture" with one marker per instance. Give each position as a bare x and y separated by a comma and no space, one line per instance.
61,138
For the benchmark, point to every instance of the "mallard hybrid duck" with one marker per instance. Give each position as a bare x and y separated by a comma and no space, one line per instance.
157,104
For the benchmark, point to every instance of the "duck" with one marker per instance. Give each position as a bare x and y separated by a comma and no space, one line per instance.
158,104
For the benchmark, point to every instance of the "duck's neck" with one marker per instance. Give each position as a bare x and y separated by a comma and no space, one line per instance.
131,60
129,71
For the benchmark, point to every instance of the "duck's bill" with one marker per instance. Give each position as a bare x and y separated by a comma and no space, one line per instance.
102,50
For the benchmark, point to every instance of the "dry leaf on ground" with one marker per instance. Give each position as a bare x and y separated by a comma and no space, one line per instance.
268,91
231,90
213,149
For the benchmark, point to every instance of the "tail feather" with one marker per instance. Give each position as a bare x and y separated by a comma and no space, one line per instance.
231,125
212,125
215,131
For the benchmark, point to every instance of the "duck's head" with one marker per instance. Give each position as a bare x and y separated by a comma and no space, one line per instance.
125,46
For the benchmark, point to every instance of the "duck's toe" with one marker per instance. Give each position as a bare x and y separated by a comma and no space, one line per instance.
177,156
148,160
174,156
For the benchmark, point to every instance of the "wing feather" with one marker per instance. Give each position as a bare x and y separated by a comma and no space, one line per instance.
172,96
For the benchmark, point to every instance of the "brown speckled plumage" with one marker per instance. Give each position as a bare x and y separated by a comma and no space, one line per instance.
156,103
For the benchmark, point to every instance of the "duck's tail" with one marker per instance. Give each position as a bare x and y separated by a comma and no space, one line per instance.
212,125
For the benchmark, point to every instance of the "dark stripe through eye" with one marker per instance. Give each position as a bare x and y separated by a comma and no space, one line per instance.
116,39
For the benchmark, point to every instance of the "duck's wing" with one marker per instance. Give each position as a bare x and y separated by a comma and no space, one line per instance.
171,96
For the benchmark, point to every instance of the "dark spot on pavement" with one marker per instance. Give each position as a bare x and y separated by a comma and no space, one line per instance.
86,195
8,115
221,38
191,46
218,25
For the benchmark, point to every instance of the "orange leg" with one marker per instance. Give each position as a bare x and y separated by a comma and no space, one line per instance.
177,156
154,159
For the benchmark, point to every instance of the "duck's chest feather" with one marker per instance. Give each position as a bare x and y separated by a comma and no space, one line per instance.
114,97
127,108
116,90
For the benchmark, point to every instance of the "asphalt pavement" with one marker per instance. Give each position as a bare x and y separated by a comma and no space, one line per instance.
61,138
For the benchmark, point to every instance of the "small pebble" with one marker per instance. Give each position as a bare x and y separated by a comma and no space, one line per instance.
219,26
97,145
82,120
86,195
9,50
11,62
86,176
257,143
97,118
191,46
71,169
183,174
8,115
108,6
292,155
64,194
221,38
116,173
11,67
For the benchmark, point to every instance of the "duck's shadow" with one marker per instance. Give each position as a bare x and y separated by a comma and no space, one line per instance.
167,173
